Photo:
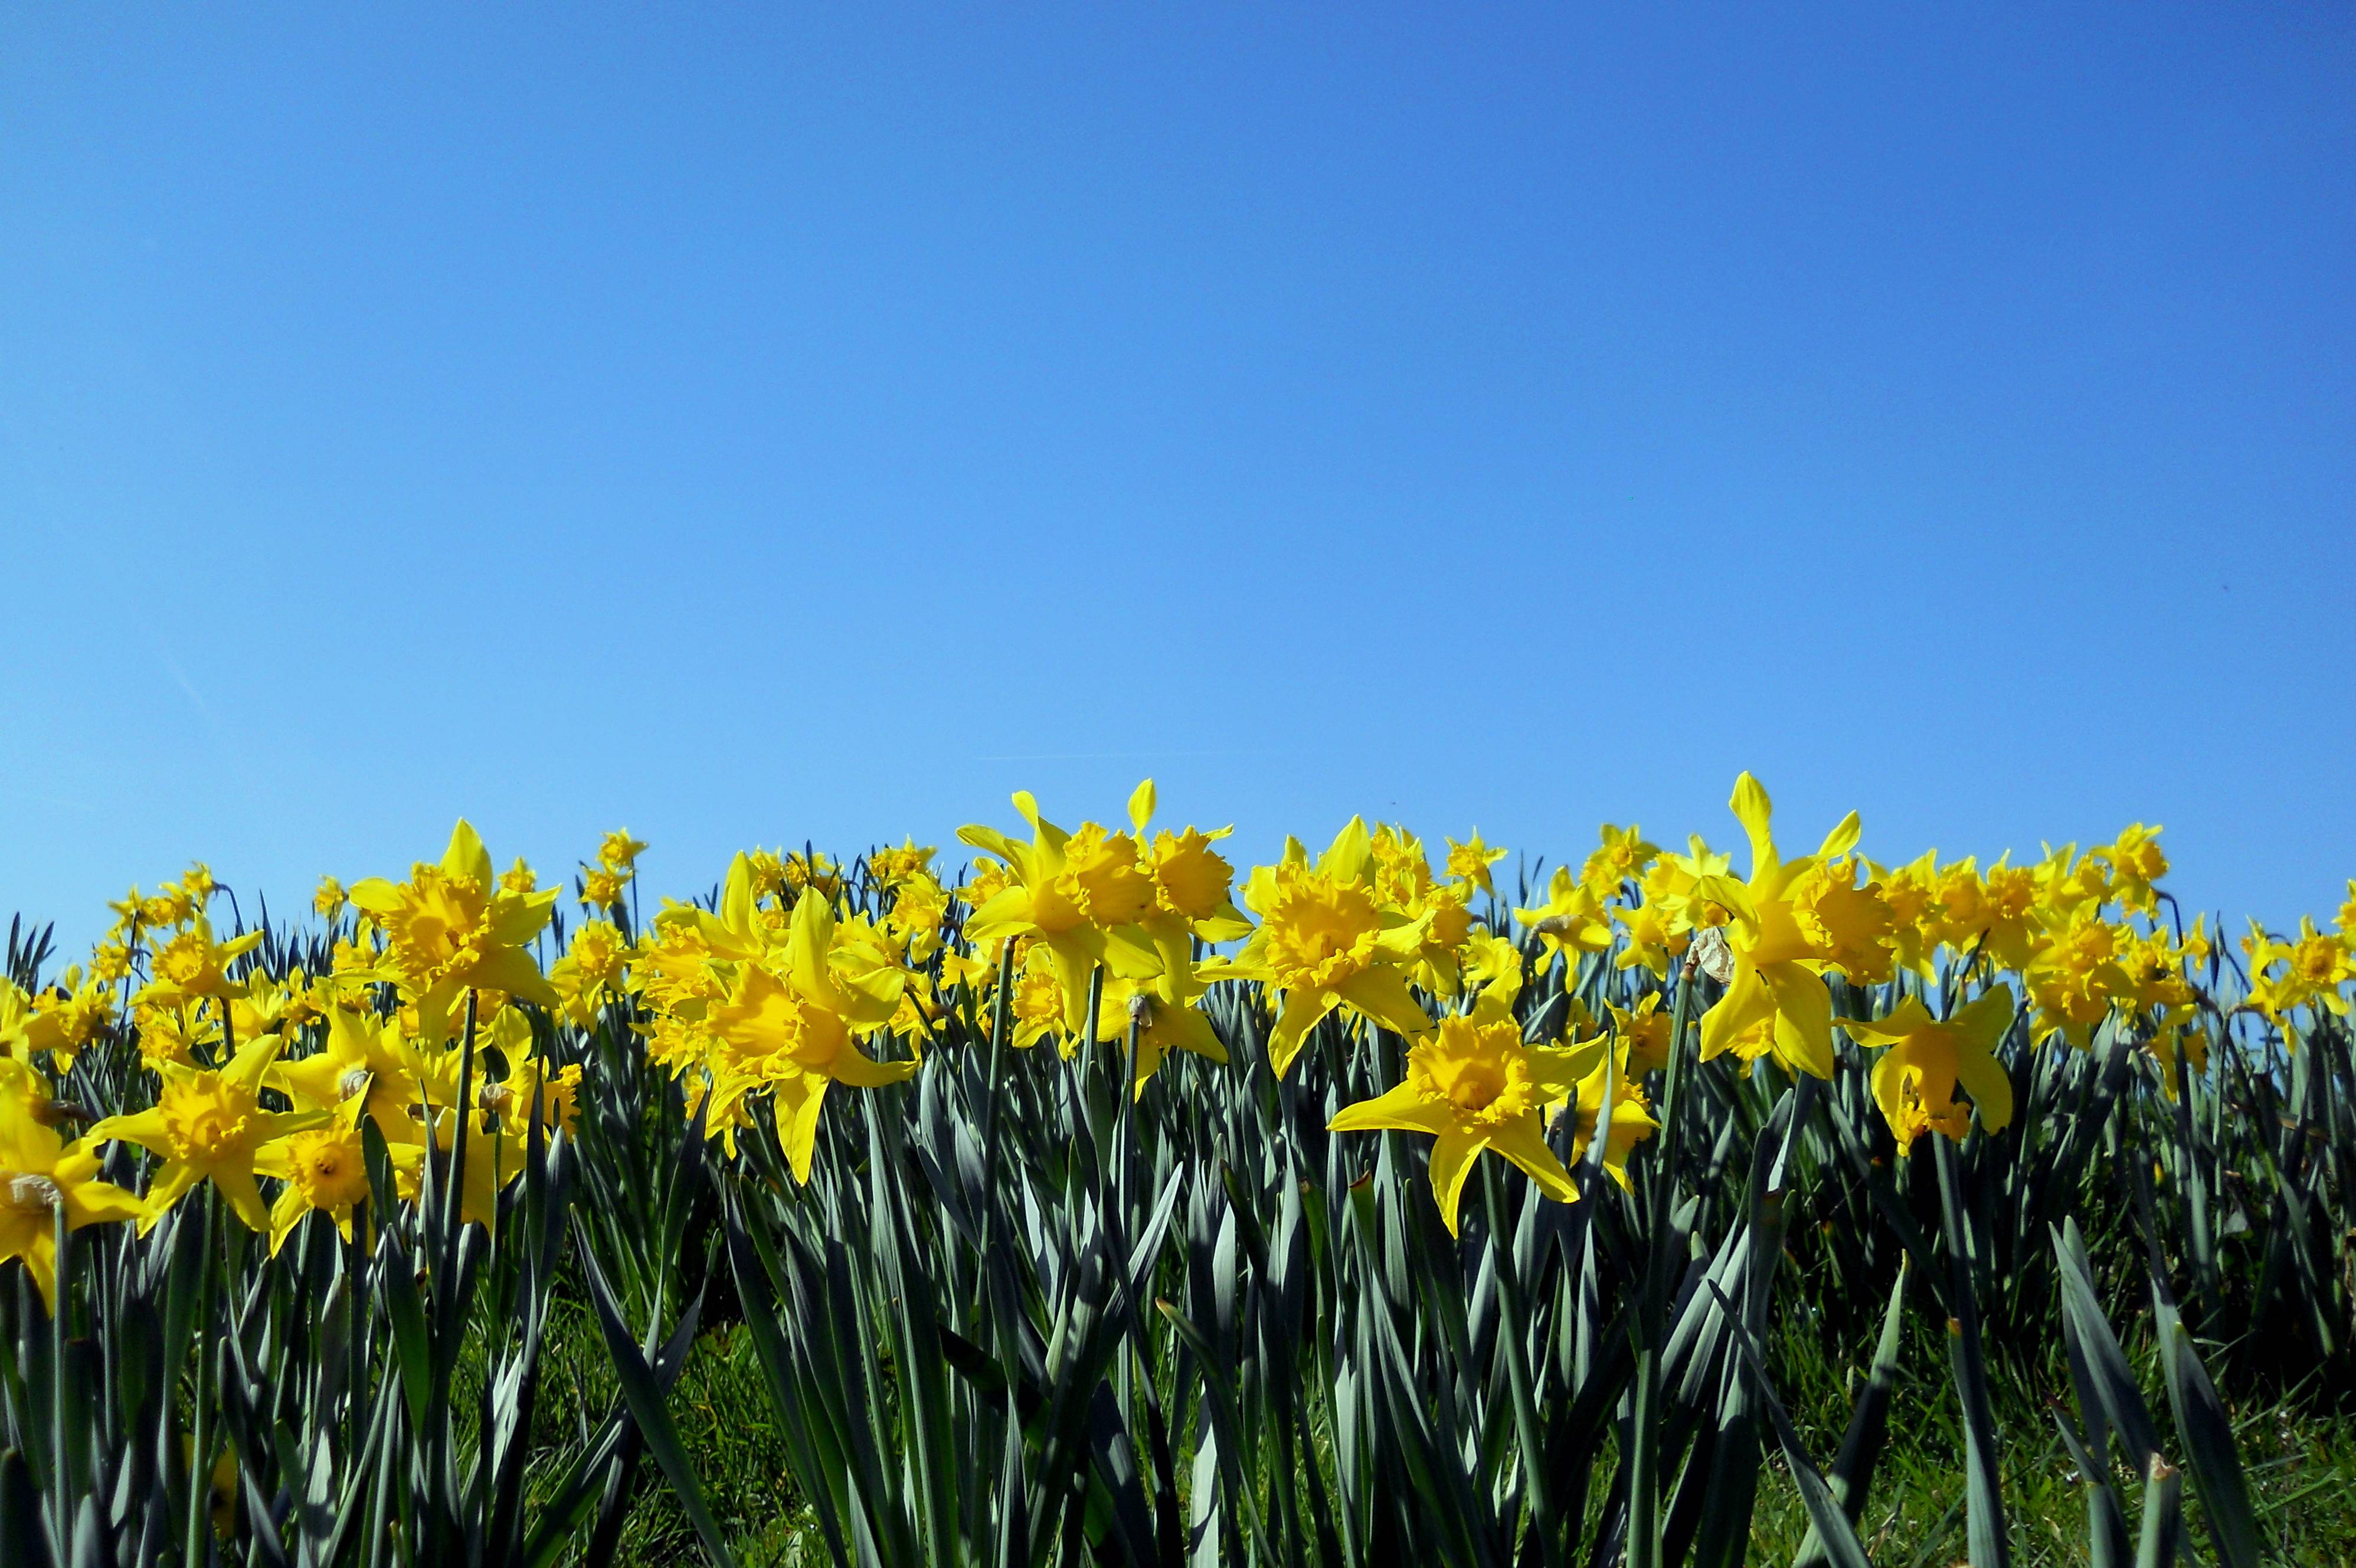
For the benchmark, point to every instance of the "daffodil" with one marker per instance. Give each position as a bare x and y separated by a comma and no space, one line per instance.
325,1171
494,1158
1644,1031
1164,1012
1572,921
1914,1081
209,1123
591,972
193,965
1621,858
39,1174
1631,1113
619,851
1192,884
1469,862
1474,1086
1790,921
1035,1003
364,1060
453,927
602,888
24,1032
1656,934
2075,977
1074,892
2136,863
795,1022
1324,942
889,867
2314,966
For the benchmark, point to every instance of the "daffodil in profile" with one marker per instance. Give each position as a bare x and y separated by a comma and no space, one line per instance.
795,1024
41,1173
1572,921
1788,923
1916,1081
1164,1012
366,1059
210,1125
1631,1113
1474,1086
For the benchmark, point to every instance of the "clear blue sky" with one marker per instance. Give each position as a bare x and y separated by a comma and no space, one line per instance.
752,423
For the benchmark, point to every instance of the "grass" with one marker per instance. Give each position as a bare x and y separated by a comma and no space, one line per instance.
2301,1462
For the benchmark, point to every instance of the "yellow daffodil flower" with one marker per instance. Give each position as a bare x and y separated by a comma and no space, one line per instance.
40,1172
1074,892
366,1059
1193,883
1167,1017
889,867
209,1123
1916,1081
453,927
1631,1113
1324,942
1572,922
1469,862
326,1171
1643,1032
2315,965
193,965
1621,858
494,1158
1474,1085
1656,933
619,851
1789,922
796,1028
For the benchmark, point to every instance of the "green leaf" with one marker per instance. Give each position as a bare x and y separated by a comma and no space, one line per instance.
644,1398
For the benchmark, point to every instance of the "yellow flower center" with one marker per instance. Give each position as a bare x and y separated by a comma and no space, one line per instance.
1102,880
208,1122
1193,878
2010,890
1319,932
1849,925
1451,923
440,924
2083,947
2315,960
1480,1071
1038,1000
328,1167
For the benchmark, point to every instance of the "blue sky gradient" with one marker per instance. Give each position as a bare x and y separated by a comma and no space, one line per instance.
753,424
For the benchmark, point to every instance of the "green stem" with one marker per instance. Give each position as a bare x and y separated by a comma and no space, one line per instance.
194,1553
1648,1323
60,1467
1511,1328
1987,1537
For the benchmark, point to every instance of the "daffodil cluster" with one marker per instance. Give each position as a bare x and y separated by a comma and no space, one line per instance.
262,1063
